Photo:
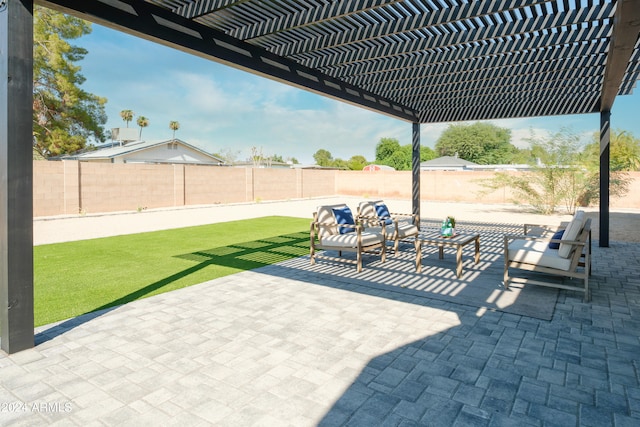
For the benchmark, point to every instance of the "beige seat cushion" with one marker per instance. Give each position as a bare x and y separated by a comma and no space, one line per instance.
537,253
406,228
350,240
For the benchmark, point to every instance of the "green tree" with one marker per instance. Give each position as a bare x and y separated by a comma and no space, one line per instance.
482,143
624,151
400,159
386,148
426,153
339,163
389,152
143,122
174,126
323,158
64,115
127,116
356,163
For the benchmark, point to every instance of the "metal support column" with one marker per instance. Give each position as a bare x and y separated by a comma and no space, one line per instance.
605,138
16,171
415,170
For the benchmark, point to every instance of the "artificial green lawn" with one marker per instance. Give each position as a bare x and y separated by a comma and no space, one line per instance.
74,278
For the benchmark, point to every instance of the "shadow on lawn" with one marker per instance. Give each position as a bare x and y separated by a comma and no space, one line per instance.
241,256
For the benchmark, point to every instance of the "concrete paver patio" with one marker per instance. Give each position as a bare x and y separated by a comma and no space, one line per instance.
278,346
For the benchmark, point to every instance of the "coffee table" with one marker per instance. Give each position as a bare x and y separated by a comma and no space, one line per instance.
458,241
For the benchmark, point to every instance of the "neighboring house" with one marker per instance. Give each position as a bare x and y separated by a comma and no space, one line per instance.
375,168
173,151
447,163
264,164
503,168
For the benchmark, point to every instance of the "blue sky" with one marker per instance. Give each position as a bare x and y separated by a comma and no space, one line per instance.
225,110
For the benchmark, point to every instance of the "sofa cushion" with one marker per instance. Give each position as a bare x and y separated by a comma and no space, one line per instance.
344,216
537,253
556,236
351,240
571,233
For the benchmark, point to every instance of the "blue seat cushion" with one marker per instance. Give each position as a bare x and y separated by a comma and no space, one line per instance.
344,216
383,212
556,235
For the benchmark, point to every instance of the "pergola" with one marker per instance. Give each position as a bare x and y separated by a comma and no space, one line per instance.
421,61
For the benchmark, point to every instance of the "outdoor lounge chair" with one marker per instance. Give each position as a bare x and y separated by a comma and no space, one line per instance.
570,257
374,214
334,228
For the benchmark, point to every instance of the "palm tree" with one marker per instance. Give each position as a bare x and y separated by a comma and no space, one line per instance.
143,122
127,116
174,126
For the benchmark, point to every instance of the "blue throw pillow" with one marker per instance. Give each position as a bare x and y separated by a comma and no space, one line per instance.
383,212
556,235
344,216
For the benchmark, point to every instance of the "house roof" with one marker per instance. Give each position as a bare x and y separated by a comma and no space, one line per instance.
134,147
423,61
374,167
447,161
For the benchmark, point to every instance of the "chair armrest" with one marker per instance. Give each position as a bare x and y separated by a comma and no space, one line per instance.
413,217
331,224
367,220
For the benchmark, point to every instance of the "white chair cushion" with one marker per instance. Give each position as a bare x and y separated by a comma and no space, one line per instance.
389,230
350,240
571,233
368,208
406,229
537,253
325,215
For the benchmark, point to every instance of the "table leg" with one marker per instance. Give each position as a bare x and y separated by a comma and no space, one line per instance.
459,260
418,246
441,252
477,249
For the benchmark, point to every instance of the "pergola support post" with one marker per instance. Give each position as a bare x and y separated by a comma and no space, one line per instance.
605,140
16,180
415,171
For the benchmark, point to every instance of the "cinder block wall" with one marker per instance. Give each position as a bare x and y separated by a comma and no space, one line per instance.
49,188
71,187
446,186
205,185
317,183
107,187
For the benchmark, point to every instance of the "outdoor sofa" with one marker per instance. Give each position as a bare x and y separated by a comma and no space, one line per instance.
568,256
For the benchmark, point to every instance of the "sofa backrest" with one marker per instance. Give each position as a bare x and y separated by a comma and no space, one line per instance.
571,233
